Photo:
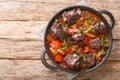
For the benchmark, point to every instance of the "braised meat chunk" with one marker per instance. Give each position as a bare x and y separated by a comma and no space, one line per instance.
71,16
78,39
72,61
58,31
100,29
90,61
95,44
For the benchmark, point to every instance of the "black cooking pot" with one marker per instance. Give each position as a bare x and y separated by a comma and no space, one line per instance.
109,27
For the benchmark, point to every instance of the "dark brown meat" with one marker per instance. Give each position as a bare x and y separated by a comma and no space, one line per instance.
71,16
58,31
95,44
90,61
100,29
72,61
78,39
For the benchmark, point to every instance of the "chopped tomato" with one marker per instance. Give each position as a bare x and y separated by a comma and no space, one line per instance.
58,58
57,44
68,50
69,31
86,40
86,49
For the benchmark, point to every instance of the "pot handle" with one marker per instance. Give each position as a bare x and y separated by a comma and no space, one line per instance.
45,62
110,16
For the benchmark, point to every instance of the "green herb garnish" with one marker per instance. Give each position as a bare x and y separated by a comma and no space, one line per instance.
84,58
66,25
70,44
63,47
89,19
55,51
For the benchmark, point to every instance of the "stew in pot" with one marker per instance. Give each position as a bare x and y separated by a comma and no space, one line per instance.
77,40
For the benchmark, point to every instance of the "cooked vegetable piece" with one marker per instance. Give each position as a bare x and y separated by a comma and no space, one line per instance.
86,40
61,52
49,37
89,19
58,58
90,35
52,51
68,50
86,49
57,44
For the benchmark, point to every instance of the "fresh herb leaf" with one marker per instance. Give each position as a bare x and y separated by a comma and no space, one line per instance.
70,44
84,58
55,51
64,41
66,25
89,19
102,41
63,47
94,54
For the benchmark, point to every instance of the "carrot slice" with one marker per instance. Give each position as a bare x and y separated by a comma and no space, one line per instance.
90,35
58,58
86,49
49,37
61,52
86,23
93,50
74,26
52,51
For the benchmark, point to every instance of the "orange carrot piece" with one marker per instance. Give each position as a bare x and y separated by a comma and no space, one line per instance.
49,37
98,54
93,50
86,23
86,49
90,35
58,58
74,26
52,51
99,59
61,52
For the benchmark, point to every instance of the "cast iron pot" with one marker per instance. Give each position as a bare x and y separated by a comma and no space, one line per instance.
109,27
